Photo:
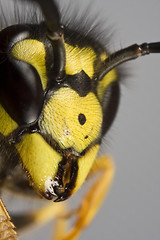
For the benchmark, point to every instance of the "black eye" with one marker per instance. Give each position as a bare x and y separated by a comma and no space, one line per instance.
81,118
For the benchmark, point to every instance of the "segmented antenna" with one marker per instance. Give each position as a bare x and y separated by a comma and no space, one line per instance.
126,54
55,34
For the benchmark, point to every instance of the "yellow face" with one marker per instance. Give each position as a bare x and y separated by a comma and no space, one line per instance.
74,124
60,156
72,121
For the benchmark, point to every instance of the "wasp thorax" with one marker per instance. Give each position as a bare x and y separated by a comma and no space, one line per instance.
72,121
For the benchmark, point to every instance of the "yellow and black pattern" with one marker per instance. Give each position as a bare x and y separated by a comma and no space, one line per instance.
71,121
59,95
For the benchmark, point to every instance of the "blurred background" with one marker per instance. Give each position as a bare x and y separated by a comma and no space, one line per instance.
132,208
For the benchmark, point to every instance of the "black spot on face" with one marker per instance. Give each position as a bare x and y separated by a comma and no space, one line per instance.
81,118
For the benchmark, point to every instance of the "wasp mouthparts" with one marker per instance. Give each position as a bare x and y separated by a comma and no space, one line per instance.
49,192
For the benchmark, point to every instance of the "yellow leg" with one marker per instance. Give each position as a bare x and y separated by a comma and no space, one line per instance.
40,216
7,231
47,213
60,227
92,200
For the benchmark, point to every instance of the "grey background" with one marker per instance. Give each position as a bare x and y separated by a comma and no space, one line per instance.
132,208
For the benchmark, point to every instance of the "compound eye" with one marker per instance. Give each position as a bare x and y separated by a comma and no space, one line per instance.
81,118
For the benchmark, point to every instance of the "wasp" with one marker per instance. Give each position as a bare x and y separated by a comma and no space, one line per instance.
59,95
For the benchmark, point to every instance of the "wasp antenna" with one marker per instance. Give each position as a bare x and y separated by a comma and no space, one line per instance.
52,18
154,47
55,34
126,54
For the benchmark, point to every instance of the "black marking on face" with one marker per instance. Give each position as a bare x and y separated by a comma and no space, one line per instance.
81,118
